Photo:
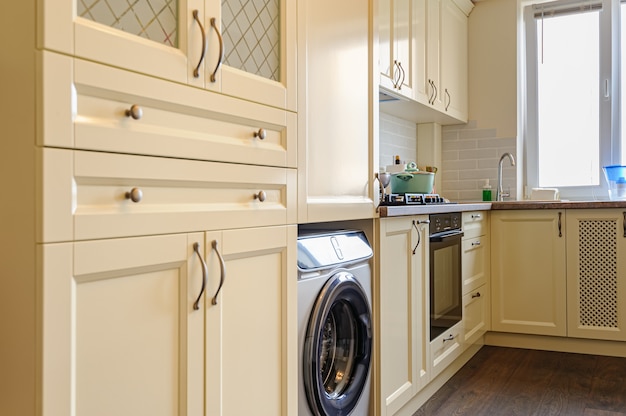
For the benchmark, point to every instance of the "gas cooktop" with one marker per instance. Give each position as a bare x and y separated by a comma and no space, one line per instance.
413,199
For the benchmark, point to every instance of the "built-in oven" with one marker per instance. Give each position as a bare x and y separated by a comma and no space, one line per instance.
446,308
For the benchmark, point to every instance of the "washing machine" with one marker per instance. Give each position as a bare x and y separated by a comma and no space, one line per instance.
334,323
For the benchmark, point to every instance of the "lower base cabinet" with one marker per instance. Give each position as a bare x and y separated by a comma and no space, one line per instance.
476,314
446,348
402,311
129,317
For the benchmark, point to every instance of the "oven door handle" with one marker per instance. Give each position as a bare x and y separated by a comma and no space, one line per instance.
443,237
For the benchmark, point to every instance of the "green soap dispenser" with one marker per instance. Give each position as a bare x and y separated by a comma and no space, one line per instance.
486,191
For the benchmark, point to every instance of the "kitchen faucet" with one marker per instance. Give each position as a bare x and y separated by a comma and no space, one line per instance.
500,194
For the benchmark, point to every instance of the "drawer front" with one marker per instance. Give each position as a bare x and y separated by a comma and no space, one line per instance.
475,314
112,110
90,195
475,223
445,349
475,260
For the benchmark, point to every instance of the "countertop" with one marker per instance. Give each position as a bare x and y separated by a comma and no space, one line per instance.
395,211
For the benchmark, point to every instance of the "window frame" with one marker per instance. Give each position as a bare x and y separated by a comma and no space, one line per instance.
609,106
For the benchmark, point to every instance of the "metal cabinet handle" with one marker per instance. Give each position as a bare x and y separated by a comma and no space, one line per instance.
624,222
450,338
396,75
403,74
261,196
261,134
476,216
205,273
436,92
419,236
196,71
476,295
432,89
559,225
135,112
476,243
135,195
221,56
222,272
449,99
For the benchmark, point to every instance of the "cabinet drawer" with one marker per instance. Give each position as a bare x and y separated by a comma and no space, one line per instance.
475,223
93,106
86,195
445,349
475,314
475,259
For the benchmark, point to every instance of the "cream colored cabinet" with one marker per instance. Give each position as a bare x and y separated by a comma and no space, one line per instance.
447,64
251,341
119,333
337,152
596,274
402,313
194,42
96,107
446,348
476,276
401,34
528,272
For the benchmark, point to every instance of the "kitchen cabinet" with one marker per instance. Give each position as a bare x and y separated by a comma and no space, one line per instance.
401,33
193,42
117,316
336,140
439,61
251,341
124,172
402,310
596,273
528,272
476,276
446,348
97,107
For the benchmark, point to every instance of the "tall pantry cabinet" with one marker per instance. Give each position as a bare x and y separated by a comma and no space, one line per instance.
151,237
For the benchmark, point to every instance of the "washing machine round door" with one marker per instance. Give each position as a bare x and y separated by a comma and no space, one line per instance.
338,346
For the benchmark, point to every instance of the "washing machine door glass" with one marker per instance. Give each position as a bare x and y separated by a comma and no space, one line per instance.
337,348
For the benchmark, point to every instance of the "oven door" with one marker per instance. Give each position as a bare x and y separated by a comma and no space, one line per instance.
446,308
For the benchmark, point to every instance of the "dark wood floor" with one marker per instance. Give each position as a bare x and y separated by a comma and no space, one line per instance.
511,381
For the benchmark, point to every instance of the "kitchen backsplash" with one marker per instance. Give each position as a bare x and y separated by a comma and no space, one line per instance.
469,156
397,137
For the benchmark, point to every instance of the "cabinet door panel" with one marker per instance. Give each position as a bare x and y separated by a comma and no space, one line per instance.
528,272
250,333
596,274
403,329
119,319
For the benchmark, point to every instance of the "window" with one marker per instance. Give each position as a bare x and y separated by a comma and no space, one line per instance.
573,116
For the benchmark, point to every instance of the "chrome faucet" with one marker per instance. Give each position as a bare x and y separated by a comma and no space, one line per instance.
500,194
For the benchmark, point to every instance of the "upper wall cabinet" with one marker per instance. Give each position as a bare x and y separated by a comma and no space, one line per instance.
438,51
402,43
245,51
336,149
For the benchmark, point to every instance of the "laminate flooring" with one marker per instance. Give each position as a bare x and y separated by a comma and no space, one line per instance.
510,381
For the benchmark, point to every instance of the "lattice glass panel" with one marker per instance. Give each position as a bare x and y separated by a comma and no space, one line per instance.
156,20
598,273
251,31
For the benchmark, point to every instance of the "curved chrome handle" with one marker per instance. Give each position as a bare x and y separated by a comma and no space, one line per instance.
196,71
135,112
431,99
219,37
419,236
222,272
261,196
476,295
396,74
135,195
401,82
261,134
205,273
449,99
436,92
450,338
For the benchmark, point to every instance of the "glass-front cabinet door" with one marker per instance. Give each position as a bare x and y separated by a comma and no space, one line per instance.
242,48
